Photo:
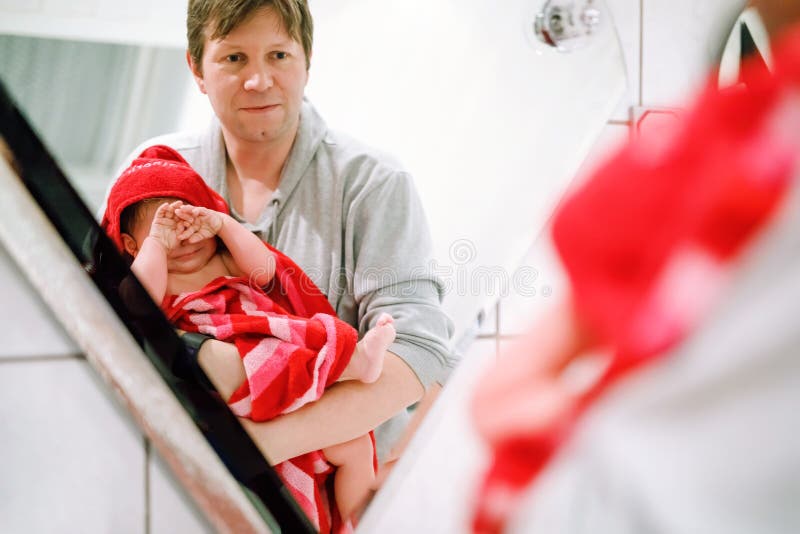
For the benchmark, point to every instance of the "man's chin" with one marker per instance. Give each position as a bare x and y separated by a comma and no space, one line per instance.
263,134
259,132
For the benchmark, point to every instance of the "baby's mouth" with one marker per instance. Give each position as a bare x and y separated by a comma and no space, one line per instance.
184,255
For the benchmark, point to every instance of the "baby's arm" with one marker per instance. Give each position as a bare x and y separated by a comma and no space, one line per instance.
251,257
255,260
150,263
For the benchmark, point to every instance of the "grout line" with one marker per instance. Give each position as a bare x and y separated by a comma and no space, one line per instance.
629,124
497,330
42,358
641,52
495,335
147,516
499,337
509,337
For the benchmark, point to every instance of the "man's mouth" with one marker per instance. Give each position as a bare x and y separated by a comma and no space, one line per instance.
260,109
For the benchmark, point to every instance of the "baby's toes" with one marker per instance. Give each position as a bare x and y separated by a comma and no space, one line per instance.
384,319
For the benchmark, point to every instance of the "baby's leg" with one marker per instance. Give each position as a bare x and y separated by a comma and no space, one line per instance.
366,363
355,474
223,365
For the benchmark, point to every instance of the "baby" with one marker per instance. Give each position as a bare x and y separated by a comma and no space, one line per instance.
175,251
179,248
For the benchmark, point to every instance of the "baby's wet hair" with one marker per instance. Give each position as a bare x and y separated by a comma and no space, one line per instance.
134,214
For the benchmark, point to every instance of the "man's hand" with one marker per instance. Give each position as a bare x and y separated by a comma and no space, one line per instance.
166,225
198,223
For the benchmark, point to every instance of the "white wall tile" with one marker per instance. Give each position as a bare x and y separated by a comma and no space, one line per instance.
445,453
149,22
27,327
70,458
171,509
681,39
627,21
489,325
611,139
540,281
482,349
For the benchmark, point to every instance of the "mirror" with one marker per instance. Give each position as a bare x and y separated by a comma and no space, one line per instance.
748,38
490,122
46,227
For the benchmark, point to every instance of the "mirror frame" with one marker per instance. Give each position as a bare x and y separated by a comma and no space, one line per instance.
53,236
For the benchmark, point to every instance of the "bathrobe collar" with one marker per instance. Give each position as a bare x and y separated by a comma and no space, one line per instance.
310,133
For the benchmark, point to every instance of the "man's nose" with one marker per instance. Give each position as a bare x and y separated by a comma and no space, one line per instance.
258,78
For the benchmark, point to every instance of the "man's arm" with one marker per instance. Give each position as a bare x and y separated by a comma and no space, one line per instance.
354,407
394,272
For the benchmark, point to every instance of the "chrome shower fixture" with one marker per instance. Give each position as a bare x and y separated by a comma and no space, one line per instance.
569,24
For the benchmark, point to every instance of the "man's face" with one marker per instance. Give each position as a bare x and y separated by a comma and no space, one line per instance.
254,78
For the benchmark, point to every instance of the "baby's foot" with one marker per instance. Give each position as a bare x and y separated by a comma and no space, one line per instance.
372,348
384,319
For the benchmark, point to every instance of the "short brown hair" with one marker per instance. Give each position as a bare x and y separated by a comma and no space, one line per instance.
223,16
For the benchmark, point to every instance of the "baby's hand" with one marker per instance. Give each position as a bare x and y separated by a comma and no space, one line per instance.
166,225
199,223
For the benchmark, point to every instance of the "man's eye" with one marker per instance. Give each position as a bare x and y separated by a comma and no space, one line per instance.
281,55
233,58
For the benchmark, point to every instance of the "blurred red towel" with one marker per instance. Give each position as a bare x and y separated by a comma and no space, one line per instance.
648,241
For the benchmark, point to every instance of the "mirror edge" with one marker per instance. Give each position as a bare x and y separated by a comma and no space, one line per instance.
52,270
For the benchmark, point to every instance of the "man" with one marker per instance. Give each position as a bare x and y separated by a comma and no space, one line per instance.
335,208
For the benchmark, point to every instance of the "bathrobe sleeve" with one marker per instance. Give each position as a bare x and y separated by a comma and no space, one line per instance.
394,272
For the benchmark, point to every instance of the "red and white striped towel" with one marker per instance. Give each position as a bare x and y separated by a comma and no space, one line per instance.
289,360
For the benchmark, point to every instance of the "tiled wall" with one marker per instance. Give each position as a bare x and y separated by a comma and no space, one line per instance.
71,461
669,48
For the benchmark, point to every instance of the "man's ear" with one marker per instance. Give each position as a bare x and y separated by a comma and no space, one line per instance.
196,73
129,243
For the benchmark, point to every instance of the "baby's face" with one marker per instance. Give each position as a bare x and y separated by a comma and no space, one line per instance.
186,257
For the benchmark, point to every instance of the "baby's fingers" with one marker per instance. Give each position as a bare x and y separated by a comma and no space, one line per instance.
162,210
167,210
173,207
180,230
187,233
185,212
